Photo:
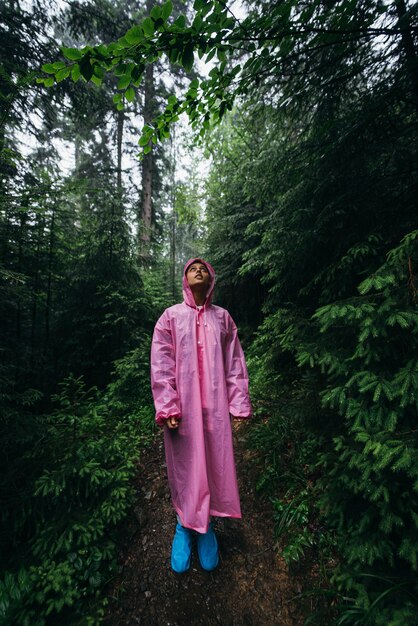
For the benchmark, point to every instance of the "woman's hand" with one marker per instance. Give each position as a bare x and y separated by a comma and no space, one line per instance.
172,422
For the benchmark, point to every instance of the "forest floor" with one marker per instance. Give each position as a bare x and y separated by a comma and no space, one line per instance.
252,585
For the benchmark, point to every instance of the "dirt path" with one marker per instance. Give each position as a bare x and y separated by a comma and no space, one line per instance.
251,587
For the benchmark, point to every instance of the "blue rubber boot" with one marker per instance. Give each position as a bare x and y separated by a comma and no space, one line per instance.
207,548
181,550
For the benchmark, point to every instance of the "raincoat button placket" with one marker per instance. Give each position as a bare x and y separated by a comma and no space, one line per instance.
199,346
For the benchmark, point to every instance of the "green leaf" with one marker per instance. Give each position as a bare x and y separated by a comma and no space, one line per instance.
144,140
147,149
172,99
120,69
148,26
222,109
75,72
124,81
211,55
124,43
62,74
158,23
187,58
86,67
71,53
137,82
206,9
137,71
200,4
221,54
173,54
98,71
156,12
49,68
229,23
197,23
102,50
180,21
134,35
166,10
130,94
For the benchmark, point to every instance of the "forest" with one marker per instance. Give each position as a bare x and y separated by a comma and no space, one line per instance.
279,140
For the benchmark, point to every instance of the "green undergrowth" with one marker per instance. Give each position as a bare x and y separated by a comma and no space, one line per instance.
287,476
66,495
335,431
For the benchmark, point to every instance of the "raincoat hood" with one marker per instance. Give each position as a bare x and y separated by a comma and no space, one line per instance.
187,292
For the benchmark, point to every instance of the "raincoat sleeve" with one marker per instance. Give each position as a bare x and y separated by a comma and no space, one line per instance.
236,374
163,372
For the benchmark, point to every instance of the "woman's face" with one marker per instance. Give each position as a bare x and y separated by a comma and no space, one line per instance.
197,274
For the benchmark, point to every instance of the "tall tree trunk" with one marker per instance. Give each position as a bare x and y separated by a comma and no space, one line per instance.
23,220
77,152
112,232
3,186
49,281
5,234
173,253
173,213
148,160
120,123
147,165
36,285
404,25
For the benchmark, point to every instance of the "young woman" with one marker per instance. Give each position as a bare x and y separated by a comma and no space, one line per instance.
199,381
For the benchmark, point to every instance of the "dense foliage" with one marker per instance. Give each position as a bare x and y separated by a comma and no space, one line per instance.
59,546
311,224
77,314
318,199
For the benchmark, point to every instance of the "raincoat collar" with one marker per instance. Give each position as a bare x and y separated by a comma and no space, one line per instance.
187,292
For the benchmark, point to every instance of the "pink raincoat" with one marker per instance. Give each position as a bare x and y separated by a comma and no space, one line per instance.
198,374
